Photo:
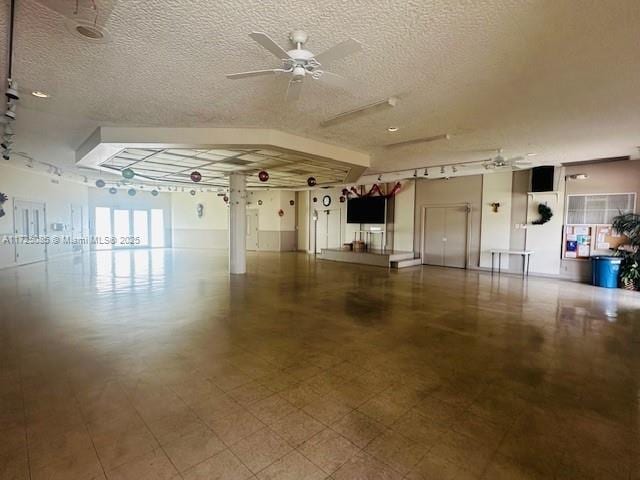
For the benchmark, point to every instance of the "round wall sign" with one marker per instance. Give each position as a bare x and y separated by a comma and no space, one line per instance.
326,200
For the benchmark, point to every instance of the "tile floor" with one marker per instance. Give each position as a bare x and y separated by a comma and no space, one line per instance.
157,365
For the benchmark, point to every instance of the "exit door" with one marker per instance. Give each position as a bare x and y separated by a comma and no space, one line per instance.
444,240
29,227
329,233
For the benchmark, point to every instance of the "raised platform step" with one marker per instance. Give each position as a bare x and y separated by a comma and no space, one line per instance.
372,257
413,262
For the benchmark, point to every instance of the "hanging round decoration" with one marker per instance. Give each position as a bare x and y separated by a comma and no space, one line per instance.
281,213
226,199
263,176
195,176
113,190
315,199
128,173
259,202
345,192
132,192
192,193
100,183
154,193
342,198
311,181
292,203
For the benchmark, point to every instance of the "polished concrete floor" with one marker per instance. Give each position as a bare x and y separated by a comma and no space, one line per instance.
157,365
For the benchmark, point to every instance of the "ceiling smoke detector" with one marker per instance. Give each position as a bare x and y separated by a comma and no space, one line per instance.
87,30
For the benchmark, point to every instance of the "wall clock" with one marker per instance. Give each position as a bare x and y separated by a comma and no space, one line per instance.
326,200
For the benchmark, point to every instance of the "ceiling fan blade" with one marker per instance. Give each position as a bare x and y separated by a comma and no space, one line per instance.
293,90
267,43
444,136
341,50
255,73
334,80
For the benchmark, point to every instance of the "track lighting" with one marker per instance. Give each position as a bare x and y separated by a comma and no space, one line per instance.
442,170
454,169
11,111
8,131
379,178
6,155
426,172
12,90
6,143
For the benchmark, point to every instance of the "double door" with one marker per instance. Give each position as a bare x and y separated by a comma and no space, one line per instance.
30,230
328,229
444,239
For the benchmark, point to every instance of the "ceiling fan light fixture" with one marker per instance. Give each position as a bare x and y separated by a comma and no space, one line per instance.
392,129
12,90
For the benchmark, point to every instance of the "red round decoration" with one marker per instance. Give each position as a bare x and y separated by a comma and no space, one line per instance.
342,199
263,176
281,213
225,198
311,181
345,191
196,176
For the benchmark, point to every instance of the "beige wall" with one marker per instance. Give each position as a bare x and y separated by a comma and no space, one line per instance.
495,226
58,197
454,191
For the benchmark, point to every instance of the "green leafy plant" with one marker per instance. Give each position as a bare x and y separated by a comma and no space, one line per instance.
628,224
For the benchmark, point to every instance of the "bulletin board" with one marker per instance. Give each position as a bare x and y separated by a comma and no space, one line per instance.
584,241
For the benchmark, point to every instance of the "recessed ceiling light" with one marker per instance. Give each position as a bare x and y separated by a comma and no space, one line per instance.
532,154
39,94
393,129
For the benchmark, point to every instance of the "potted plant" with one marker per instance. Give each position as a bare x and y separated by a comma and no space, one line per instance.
628,224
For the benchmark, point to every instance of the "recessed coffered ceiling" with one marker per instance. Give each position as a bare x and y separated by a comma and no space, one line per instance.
174,166
558,78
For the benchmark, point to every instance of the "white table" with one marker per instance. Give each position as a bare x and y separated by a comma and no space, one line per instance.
526,259
367,237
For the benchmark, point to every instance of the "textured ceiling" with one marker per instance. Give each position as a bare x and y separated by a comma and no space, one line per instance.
559,78
175,165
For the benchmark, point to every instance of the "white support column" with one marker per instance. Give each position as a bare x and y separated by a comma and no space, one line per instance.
237,224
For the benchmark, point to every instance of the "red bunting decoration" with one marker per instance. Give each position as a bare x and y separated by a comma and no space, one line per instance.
375,189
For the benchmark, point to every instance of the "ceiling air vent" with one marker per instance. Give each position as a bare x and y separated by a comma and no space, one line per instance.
86,30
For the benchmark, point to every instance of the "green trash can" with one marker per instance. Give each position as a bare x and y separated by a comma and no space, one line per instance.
605,271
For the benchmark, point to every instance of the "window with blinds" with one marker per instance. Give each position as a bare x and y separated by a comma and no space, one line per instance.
598,209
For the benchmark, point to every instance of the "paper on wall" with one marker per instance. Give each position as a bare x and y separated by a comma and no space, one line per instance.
582,230
583,250
602,246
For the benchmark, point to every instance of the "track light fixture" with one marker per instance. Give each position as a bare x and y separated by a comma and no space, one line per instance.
6,143
11,111
8,131
12,90
442,170
6,154
426,172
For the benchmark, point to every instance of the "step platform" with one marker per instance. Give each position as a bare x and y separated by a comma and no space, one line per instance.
378,258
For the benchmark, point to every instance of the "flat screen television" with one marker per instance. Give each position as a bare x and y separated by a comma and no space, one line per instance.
366,210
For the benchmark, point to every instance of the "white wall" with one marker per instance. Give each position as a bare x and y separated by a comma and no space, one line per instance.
191,231
23,184
495,226
404,217
545,240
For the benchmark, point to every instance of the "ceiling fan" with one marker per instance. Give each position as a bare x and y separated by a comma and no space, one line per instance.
501,162
299,63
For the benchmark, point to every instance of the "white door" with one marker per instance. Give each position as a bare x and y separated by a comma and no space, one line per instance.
252,230
334,222
321,231
29,226
445,236
455,249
